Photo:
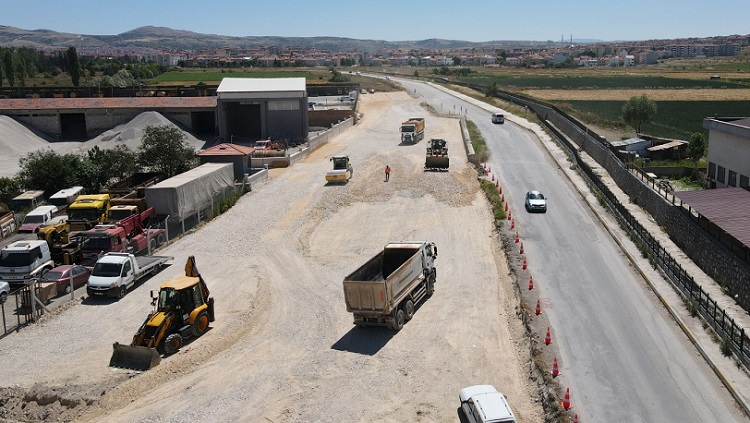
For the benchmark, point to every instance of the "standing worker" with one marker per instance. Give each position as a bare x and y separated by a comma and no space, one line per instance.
387,172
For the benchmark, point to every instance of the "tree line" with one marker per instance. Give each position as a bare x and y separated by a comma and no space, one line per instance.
163,149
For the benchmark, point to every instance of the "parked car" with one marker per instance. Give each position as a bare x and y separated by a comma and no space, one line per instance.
61,276
535,201
498,118
483,404
4,291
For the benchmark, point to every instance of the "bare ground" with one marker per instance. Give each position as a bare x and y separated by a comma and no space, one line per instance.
283,347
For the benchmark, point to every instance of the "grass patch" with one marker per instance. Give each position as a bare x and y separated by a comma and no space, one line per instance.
491,192
481,152
571,81
674,119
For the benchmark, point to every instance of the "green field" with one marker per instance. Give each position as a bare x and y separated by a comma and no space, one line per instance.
215,76
674,119
568,81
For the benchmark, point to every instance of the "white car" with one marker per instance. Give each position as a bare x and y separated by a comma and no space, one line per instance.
535,201
483,404
4,291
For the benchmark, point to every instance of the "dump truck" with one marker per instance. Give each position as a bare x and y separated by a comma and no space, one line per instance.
437,155
412,130
342,170
129,235
87,211
183,309
114,273
386,290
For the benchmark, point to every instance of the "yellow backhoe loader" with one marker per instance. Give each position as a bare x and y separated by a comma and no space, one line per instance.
182,310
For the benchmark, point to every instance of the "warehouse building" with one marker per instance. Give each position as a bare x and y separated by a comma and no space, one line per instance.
251,109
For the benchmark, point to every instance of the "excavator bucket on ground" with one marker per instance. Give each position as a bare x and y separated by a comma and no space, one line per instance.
135,358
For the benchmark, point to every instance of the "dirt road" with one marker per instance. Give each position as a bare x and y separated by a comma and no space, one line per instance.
283,347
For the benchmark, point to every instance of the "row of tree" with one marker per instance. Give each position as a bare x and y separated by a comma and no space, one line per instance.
163,149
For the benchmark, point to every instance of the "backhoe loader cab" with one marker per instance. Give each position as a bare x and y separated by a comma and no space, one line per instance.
182,309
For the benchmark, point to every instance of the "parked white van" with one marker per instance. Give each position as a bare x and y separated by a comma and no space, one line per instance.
37,218
483,404
498,118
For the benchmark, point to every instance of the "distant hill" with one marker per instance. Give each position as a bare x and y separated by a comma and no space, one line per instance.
167,38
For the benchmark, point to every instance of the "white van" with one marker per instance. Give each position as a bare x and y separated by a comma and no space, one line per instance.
483,404
498,118
35,219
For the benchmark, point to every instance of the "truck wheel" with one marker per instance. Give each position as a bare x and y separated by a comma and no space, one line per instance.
152,244
173,343
398,320
408,309
160,240
3,297
122,291
201,324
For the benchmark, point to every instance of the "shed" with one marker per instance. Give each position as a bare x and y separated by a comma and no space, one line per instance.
191,191
238,155
637,145
262,108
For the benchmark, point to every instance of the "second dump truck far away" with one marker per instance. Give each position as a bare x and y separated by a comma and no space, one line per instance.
386,290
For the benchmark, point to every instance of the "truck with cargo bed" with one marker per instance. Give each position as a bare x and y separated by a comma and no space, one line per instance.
386,290
412,130
115,273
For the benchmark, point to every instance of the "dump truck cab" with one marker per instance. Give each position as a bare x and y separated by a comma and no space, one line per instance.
87,211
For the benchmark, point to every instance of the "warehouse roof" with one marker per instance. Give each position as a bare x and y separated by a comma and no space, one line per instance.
254,85
107,103
725,207
227,149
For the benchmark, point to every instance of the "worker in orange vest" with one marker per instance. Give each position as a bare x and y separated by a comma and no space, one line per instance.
387,172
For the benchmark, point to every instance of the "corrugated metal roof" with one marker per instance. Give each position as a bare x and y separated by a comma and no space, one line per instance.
108,103
666,146
727,208
252,85
227,149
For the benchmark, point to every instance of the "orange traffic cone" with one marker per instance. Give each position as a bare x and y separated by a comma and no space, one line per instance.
497,184
575,418
547,338
484,165
555,370
521,247
493,178
511,226
531,283
502,198
509,215
506,205
500,189
566,402
538,311
524,264
489,168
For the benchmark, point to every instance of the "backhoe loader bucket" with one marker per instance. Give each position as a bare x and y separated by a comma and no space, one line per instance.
135,358
436,162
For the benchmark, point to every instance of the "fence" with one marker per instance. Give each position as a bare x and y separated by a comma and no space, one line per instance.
565,129
217,204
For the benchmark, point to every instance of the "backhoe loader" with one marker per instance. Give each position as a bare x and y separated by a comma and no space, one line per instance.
182,309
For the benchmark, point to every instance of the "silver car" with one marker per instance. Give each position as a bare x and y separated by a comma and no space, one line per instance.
535,201
4,291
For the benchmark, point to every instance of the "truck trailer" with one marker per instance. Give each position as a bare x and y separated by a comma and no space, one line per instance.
386,290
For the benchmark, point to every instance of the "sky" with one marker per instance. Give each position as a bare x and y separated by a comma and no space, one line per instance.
392,20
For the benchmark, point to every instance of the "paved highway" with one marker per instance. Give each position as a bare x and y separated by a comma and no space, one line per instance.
624,358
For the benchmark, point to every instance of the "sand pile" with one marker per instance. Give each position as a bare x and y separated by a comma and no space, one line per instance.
17,140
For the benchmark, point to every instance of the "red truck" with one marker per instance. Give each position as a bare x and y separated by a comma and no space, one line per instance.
128,235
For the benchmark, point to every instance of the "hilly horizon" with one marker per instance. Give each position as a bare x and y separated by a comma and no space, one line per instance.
172,39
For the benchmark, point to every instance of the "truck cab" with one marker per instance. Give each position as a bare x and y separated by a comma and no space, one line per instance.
87,211
24,260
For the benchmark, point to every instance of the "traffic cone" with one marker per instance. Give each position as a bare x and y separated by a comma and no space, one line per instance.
500,189
547,338
524,264
509,214
502,198
484,165
575,418
566,402
521,247
497,184
511,226
555,370
493,178
531,283
489,168
506,205
538,311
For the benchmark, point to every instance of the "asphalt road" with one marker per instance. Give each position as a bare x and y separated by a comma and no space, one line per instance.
624,358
